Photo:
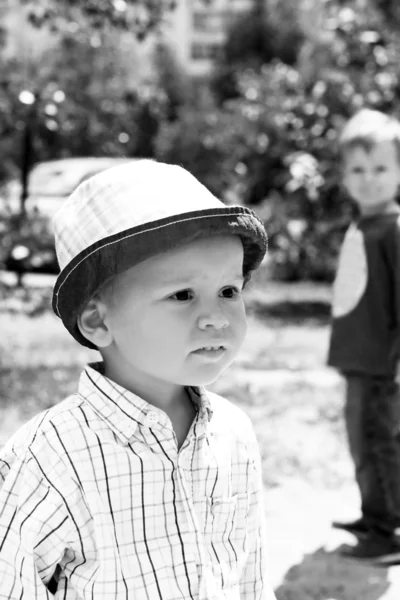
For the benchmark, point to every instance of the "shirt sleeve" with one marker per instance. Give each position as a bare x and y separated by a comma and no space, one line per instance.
34,528
254,584
397,286
393,256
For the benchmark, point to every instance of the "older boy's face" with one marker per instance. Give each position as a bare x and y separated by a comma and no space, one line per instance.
177,318
372,177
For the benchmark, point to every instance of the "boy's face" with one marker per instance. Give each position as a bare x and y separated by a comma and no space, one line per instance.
177,318
372,177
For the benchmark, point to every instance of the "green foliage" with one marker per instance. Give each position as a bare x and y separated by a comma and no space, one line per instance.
138,16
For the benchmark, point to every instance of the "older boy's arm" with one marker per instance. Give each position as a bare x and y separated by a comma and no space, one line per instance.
254,584
394,259
397,275
34,527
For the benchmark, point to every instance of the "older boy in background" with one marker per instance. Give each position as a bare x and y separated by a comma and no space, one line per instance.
365,334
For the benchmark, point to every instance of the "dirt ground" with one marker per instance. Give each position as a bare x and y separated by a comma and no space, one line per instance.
295,403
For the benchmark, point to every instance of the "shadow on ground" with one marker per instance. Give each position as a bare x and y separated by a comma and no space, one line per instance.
324,575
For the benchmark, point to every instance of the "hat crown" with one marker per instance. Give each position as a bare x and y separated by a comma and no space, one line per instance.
136,193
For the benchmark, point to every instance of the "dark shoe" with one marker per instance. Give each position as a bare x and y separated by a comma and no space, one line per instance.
379,549
358,527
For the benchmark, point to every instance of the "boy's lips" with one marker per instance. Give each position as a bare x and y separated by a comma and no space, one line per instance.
210,352
212,345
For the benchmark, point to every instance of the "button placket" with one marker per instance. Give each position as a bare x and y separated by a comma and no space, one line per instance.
192,518
130,430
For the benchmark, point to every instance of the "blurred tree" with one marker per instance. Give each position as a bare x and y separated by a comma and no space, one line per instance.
171,79
138,16
79,91
267,32
95,92
390,9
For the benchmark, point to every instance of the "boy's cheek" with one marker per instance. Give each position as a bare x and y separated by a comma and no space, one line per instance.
241,326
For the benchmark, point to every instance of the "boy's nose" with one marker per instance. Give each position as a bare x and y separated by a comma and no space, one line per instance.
369,176
215,320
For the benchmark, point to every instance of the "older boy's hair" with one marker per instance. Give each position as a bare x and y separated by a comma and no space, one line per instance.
367,128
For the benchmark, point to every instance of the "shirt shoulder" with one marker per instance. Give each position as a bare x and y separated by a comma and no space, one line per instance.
379,226
30,433
393,227
388,236
229,418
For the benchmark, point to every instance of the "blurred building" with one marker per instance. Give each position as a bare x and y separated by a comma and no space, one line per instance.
196,31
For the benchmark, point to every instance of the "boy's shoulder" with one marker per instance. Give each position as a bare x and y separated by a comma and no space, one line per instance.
380,224
31,432
229,418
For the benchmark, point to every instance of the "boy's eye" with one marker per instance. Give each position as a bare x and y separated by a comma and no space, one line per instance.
182,295
381,168
230,292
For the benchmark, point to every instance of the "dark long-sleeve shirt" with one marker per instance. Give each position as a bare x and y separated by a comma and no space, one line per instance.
366,300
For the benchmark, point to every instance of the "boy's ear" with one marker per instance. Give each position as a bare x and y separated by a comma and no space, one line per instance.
92,324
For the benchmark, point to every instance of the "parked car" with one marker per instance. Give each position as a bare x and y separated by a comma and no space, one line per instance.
29,246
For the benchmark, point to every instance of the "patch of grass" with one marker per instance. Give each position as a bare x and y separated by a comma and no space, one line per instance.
39,341
36,388
299,427
40,366
273,343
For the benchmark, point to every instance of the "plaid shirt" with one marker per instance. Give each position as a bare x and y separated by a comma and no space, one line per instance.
97,502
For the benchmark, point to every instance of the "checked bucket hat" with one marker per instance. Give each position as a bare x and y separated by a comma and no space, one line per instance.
126,214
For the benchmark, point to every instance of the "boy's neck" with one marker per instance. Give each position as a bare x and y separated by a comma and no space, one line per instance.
382,209
171,399
160,394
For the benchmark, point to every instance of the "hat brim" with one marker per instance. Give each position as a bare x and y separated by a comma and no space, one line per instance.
108,257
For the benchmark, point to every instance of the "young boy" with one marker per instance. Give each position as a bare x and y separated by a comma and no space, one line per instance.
365,335
142,486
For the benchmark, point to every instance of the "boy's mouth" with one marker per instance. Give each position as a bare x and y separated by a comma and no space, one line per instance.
210,352
211,348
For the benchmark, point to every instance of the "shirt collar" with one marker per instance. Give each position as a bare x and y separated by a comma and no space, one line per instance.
124,411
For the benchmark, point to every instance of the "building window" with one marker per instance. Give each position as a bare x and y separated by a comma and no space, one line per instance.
212,22
200,21
208,22
201,51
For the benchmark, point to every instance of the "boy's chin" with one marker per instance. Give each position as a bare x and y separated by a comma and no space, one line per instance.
201,382
204,378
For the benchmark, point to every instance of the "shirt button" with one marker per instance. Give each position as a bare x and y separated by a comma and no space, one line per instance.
151,418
